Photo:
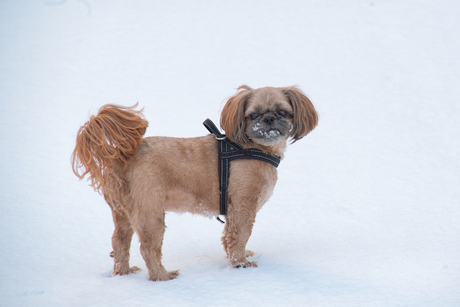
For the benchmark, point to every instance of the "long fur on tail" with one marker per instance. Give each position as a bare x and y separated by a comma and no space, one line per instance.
112,136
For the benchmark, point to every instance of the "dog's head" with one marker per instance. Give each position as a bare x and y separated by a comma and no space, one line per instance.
268,116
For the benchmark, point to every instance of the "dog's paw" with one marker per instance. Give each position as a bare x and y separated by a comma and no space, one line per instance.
249,253
164,277
173,274
134,270
125,271
245,264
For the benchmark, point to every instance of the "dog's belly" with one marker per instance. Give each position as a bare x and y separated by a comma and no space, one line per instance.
182,201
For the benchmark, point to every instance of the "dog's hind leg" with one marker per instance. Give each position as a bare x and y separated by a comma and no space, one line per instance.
150,226
121,243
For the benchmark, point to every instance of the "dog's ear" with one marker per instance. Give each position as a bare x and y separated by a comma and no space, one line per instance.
232,118
305,116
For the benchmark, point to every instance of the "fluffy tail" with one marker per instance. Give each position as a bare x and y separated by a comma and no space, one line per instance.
112,136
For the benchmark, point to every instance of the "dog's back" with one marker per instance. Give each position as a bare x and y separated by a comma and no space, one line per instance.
161,171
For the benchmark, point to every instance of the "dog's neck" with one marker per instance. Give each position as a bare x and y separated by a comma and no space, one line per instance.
276,149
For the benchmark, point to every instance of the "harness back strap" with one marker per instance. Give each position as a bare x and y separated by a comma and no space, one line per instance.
229,151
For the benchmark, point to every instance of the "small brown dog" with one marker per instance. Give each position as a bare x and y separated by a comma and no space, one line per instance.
141,178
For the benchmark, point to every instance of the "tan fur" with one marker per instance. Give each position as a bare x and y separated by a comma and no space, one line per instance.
110,137
141,178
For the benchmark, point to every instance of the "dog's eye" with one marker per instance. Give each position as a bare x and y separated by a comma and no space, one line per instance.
253,116
282,113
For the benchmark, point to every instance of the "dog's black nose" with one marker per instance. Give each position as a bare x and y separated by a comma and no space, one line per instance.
269,120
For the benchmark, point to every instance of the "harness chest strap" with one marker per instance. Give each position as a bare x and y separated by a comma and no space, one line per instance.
229,151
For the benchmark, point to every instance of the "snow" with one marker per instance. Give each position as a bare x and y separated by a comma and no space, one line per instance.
366,210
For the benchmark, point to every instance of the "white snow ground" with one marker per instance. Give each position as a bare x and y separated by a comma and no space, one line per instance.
366,211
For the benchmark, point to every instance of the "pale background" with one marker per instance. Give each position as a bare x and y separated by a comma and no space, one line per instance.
367,208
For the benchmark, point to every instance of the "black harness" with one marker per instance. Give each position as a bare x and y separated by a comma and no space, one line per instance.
229,151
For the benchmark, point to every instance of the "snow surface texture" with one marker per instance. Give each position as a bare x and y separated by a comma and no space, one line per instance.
367,207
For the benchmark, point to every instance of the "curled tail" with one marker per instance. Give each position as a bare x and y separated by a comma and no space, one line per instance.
113,135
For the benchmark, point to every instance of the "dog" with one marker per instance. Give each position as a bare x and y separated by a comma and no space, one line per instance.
141,178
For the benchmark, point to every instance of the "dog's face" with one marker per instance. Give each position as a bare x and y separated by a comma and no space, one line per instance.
268,116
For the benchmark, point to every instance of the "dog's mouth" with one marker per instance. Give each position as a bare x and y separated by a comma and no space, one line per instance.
267,133
271,133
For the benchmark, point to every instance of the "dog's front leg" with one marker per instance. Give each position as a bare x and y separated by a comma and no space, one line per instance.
237,231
